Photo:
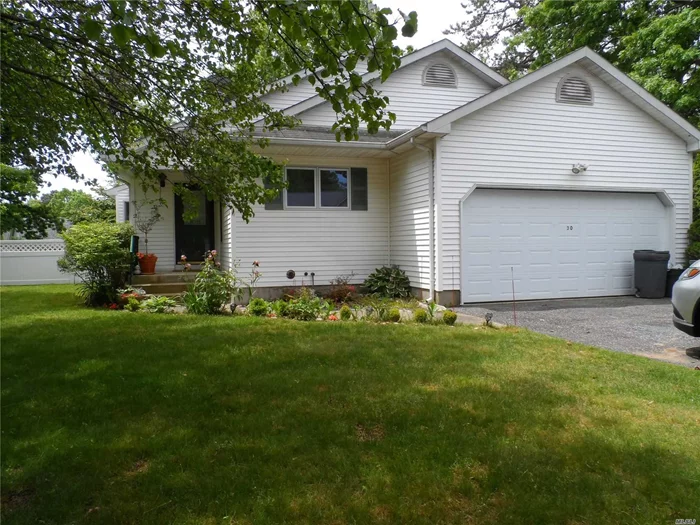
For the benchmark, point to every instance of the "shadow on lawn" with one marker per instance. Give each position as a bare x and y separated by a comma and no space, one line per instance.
256,421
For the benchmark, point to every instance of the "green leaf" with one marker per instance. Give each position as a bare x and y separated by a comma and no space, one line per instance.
92,28
121,34
411,25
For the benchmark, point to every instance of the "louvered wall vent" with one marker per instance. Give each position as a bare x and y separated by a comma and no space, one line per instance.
574,90
440,75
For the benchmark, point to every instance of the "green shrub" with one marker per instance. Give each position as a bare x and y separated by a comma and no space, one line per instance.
420,316
693,251
394,315
308,307
281,308
388,281
213,288
98,253
258,307
345,313
449,317
694,232
157,304
132,304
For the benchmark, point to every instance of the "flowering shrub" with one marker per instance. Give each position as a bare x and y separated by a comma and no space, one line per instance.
214,287
341,289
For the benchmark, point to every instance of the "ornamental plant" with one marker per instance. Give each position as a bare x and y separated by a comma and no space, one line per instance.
258,307
449,317
98,253
214,287
388,281
420,316
308,307
146,216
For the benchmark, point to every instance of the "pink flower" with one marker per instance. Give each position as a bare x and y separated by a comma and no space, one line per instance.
332,318
213,252
188,266
210,257
256,263
183,257
114,306
218,264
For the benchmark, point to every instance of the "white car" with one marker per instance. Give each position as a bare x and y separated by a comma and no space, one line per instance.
686,301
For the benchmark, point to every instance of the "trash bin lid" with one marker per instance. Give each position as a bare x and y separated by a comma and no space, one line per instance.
651,255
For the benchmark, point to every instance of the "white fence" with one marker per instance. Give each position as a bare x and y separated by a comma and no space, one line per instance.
32,262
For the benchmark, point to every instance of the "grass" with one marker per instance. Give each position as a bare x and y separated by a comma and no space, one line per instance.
115,417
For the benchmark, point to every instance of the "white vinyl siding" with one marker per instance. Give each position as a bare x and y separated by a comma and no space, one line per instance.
410,227
328,242
291,94
161,239
528,138
120,200
413,102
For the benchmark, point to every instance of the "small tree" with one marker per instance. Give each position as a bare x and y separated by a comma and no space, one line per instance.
146,216
99,254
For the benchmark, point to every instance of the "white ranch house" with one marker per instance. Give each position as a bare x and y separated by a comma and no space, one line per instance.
555,178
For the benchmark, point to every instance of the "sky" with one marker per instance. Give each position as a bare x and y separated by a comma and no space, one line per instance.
434,16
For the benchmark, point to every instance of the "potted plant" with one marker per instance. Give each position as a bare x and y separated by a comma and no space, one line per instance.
146,216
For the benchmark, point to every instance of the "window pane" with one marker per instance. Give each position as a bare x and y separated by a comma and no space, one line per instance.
359,189
300,187
334,188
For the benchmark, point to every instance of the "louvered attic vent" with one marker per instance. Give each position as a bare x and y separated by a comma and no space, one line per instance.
574,90
440,75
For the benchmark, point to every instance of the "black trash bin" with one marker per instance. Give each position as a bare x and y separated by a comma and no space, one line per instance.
650,268
671,278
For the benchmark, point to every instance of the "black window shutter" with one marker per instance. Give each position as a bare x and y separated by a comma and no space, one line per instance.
358,185
276,203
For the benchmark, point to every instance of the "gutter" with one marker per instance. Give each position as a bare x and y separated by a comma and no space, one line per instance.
431,216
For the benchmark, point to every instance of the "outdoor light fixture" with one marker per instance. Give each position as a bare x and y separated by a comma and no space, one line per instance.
578,168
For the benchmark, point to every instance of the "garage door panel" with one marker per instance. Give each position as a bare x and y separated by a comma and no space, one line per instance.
559,244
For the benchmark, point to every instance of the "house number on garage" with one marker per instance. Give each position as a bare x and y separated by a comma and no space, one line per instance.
569,228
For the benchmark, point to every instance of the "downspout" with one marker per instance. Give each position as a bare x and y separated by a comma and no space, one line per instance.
431,216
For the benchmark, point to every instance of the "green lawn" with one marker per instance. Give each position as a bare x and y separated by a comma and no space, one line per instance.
114,417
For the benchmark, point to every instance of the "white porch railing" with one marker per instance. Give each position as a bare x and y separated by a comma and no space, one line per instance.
32,262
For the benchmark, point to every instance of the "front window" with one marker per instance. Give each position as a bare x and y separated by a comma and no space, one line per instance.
301,187
334,188
338,188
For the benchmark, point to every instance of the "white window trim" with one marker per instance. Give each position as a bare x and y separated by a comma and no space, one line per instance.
317,189
316,197
348,206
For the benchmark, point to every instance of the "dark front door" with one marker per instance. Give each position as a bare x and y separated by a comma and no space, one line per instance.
194,235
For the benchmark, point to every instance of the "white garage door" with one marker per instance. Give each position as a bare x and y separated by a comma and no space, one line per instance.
559,243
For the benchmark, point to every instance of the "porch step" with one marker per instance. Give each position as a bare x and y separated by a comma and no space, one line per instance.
162,278
164,288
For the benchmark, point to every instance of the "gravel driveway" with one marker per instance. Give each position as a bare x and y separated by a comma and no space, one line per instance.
626,324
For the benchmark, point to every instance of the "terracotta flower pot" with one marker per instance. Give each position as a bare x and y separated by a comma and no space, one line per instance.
147,263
